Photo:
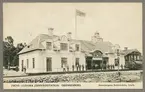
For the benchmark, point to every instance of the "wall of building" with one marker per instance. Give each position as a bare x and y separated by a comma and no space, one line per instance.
41,57
122,60
29,56
40,60
111,60
56,59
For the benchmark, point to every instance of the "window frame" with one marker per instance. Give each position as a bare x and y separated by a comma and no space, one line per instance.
49,47
22,64
77,47
77,61
33,63
62,46
27,63
64,62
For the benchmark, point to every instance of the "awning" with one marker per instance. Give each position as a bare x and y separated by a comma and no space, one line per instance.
97,58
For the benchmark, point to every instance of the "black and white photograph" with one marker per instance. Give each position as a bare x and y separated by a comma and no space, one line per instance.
72,45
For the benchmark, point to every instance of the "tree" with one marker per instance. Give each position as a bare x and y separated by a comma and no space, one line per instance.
19,47
10,40
10,52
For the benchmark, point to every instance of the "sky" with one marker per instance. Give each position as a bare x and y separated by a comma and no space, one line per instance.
119,23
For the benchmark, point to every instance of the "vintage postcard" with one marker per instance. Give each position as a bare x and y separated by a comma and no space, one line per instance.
72,46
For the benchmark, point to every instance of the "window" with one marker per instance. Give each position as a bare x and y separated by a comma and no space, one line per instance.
126,58
77,62
131,57
48,64
27,63
22,64
63,46
77,47
97,54
135,57
33,62
48,45
138,57
63,62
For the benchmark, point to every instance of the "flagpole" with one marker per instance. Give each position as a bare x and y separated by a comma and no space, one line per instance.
75,25
75,33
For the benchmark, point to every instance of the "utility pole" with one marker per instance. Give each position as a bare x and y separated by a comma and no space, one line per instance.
118,61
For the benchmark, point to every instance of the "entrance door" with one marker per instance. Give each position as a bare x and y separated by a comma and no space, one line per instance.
48,64
97,64
88,63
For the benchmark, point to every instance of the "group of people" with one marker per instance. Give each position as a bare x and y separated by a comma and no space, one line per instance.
74,68
82,67
113,66
110,67
102,67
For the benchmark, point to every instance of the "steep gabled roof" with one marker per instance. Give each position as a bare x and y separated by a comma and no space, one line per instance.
86,46
104,46
89,46
36,43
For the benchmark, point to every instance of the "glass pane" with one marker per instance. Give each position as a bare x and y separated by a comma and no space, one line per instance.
77,47
48,45
63,62
77,61
64,46
33,62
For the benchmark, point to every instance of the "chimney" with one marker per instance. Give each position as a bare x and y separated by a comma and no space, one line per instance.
50,31
125,48
97,34
69,35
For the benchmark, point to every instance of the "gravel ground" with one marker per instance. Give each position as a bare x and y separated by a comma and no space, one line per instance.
92,77
12,73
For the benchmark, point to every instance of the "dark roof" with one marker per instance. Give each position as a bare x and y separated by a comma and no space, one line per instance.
128,51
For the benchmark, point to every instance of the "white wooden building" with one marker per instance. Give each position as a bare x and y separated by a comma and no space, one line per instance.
52,53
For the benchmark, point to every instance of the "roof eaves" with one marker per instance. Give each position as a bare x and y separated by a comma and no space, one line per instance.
28,51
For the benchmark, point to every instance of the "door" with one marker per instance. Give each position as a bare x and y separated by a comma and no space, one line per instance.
88,63
97,64
48,64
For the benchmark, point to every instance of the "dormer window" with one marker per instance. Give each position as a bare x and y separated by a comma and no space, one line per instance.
64,46
77,47
49,45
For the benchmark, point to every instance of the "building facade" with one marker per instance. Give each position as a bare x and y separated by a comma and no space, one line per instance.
52,53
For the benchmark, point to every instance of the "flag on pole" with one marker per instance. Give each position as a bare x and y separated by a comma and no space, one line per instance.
80,13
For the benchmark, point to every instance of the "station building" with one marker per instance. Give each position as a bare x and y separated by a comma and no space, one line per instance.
52,53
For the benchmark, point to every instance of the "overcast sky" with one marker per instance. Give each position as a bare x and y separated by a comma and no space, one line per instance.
119,23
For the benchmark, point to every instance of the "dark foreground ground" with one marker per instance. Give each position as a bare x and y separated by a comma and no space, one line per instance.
93,77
